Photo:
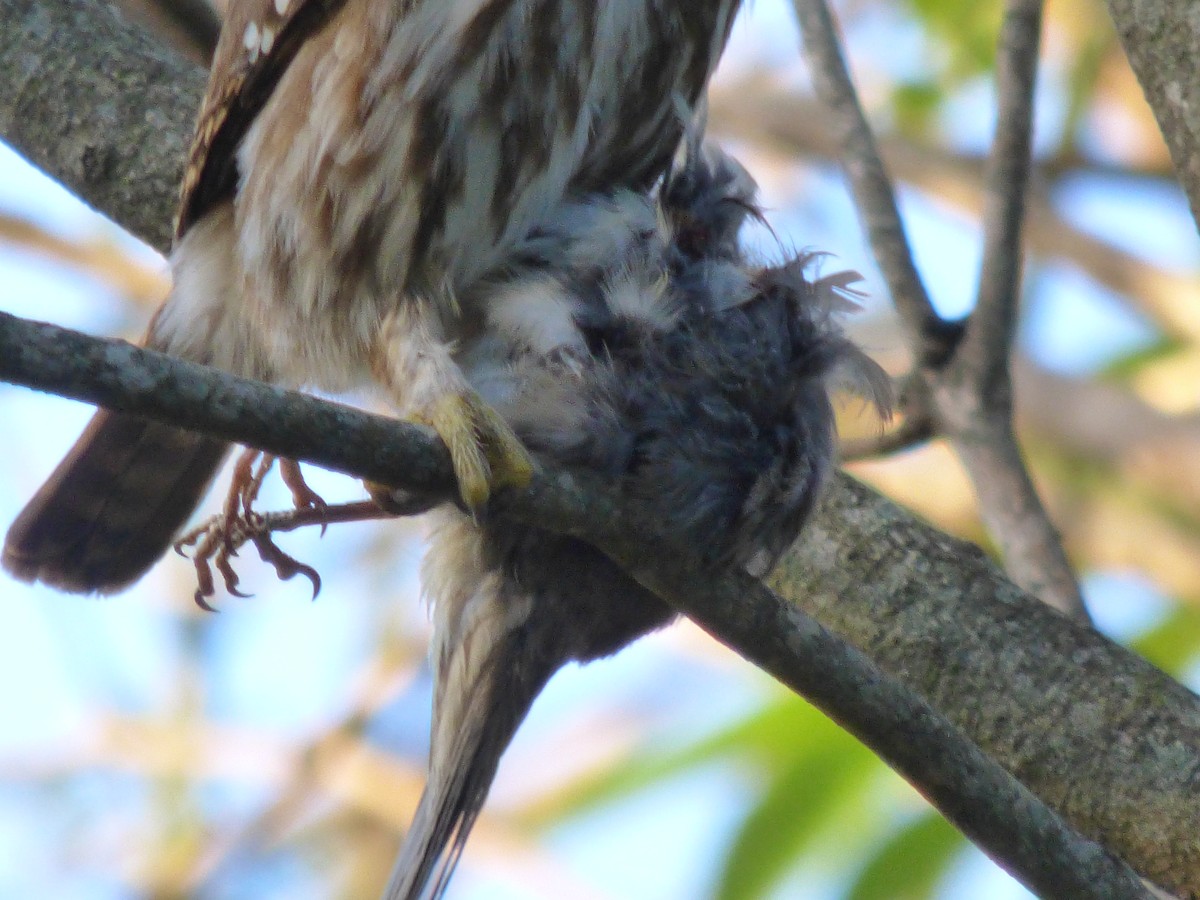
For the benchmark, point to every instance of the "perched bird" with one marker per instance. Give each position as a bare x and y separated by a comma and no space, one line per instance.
633,338
357,166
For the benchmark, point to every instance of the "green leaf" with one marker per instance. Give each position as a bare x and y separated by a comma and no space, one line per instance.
915,104
1173,644
825,777
968,31
771,736
912,863
1129,364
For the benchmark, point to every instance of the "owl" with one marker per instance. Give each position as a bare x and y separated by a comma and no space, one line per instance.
358,166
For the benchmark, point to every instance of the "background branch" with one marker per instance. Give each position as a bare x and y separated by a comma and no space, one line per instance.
778,119
869,181
974,393
965,370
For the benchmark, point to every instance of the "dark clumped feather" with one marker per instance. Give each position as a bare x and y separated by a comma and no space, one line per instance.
703,392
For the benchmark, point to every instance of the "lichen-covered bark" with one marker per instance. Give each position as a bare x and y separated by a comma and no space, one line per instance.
94,102
1105,738
1162,40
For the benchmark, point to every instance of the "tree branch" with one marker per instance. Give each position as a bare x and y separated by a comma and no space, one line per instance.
1162,42
97,104
869,180
966,380
989,336
974,393
1005,818
1090,727
916,598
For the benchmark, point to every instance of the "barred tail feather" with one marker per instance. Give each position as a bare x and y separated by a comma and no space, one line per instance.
511,606
474,721
112,506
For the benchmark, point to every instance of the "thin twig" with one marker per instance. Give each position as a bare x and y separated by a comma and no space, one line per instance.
966,371
989,338
975,394
869,180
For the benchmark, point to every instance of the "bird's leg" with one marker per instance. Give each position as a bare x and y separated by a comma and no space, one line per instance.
249,473
414,362
216,542
303,497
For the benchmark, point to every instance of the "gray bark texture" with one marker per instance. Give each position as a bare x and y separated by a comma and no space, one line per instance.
99,106
1106,739
1162,40
1109,741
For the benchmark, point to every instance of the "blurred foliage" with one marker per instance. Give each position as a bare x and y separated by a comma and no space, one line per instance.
911,863
962,35
961,39
181,797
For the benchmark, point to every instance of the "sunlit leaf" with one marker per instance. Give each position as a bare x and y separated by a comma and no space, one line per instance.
772,736
915,103
967,31
910,865
1129,364
799,805
1173,644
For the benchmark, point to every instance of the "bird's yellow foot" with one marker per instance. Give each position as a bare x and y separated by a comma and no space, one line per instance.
487,455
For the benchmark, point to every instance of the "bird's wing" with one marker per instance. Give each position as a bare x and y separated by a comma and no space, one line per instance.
259,40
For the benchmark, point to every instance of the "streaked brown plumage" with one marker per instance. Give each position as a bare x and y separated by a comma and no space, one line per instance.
358,165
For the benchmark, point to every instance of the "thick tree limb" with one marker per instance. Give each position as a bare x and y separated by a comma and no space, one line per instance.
974,792
1162,41
97,104
1141,752
1052,700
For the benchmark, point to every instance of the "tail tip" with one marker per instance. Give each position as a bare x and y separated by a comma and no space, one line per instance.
40,548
